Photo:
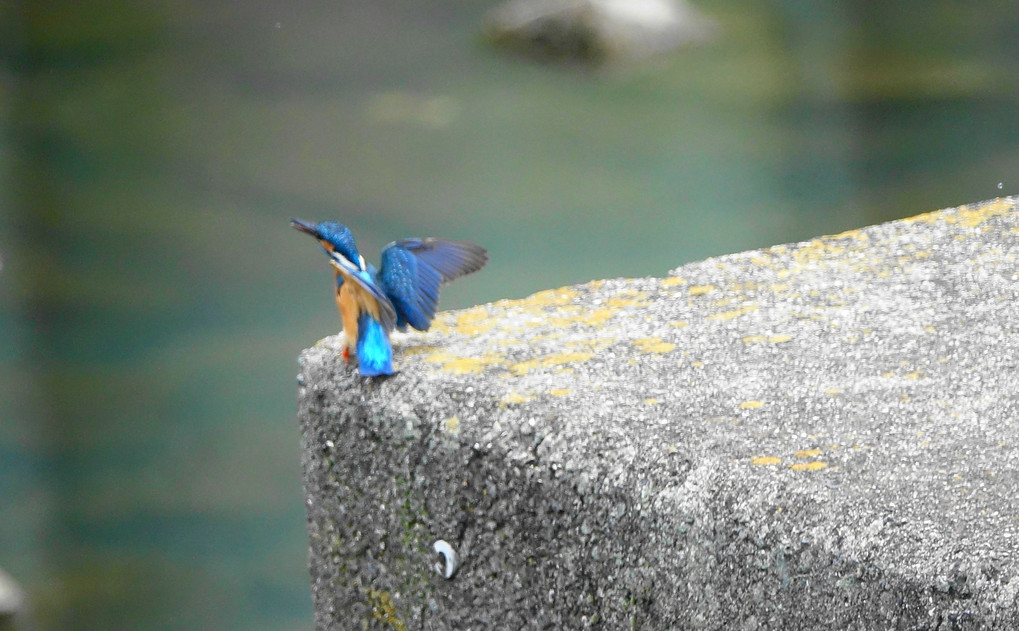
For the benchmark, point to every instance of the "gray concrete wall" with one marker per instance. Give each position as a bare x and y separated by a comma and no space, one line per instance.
817,435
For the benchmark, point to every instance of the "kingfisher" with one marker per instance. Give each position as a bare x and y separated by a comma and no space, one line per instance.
404,292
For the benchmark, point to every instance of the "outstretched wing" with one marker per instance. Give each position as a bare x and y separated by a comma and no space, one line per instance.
413,270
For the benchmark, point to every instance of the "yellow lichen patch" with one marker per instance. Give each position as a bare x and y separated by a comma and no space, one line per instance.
924,218
754,339
750,405
765,461
420,349
440,357
919,374
618,303
651,401
965,216
557,322
833,390
596,317
700,290
473,321
816,465
653,345
973,217
779,339
735,313
566,317
857,235
548,361
547,298
468,365
451,425
383,609
697,364
760,261
561,296
463,365
560,392
515,397
516,305
803,454
679,324
672,281
632,293
819,252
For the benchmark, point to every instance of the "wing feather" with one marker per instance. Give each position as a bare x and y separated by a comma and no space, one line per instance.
414,269
349,272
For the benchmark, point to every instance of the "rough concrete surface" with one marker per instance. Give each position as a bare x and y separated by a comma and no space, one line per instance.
811,436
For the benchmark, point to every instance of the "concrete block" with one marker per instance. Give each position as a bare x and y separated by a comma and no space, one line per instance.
816,435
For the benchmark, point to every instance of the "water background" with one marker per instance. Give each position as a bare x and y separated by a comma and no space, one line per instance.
153,300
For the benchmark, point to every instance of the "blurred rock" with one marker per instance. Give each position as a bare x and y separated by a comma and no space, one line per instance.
12,603
594,31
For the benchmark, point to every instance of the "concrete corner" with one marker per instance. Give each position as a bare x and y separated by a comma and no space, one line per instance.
816,435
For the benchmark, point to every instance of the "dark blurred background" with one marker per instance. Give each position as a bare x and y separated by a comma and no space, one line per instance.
153,299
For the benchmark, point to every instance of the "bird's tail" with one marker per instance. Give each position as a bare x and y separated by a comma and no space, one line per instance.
374,352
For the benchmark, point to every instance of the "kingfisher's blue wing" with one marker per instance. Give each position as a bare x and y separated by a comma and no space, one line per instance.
413,269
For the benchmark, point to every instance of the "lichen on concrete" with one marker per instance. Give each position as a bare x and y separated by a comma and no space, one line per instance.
814,435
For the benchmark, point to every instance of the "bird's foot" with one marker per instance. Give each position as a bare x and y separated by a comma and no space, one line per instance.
346,355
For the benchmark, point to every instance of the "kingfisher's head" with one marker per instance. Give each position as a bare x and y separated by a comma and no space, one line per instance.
333,236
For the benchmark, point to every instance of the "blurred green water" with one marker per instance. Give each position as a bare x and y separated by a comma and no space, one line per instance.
153,299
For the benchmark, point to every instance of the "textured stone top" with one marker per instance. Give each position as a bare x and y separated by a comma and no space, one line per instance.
844,409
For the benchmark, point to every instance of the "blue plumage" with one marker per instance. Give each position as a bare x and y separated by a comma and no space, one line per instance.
341,239
413,270
406,289
374,352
